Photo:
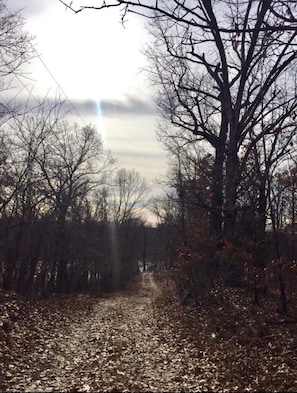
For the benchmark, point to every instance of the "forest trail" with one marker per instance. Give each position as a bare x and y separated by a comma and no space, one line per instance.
123,344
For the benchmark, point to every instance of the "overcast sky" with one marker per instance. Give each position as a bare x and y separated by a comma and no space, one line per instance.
97,64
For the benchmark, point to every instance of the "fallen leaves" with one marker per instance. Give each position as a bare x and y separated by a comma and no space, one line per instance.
141,340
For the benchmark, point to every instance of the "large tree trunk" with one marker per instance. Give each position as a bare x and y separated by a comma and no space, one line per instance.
216,218
232,177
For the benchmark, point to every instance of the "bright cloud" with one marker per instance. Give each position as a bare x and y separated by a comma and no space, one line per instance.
90,54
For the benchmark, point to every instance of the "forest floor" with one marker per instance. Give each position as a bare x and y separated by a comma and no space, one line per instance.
143,340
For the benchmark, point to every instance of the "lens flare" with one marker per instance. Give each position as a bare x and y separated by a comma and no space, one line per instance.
100,123
114,261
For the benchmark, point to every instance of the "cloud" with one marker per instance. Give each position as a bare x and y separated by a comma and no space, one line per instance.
150,164
113,107
35,7
130,106
109,108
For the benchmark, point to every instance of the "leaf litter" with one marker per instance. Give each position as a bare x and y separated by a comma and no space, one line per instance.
140,340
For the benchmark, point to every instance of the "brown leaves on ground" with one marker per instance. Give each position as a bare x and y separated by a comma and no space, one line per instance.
143,340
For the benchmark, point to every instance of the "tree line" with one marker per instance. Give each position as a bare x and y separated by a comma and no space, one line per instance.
225,78
70,219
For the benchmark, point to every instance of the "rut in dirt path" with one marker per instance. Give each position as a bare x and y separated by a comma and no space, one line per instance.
125,344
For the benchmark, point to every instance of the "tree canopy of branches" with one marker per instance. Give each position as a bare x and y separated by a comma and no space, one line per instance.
15,51
225,72
60,222
69,219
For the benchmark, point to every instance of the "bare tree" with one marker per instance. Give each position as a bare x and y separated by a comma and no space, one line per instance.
16,49
221,84
130,196
220,66
73,162
127,199
22,201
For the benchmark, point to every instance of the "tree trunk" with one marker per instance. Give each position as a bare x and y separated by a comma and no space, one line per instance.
261,209
61,255
62,276
216,218
232,176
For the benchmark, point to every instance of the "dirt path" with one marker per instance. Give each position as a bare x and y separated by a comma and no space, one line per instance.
125,344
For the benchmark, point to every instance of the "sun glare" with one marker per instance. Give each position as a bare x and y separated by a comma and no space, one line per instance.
90,54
